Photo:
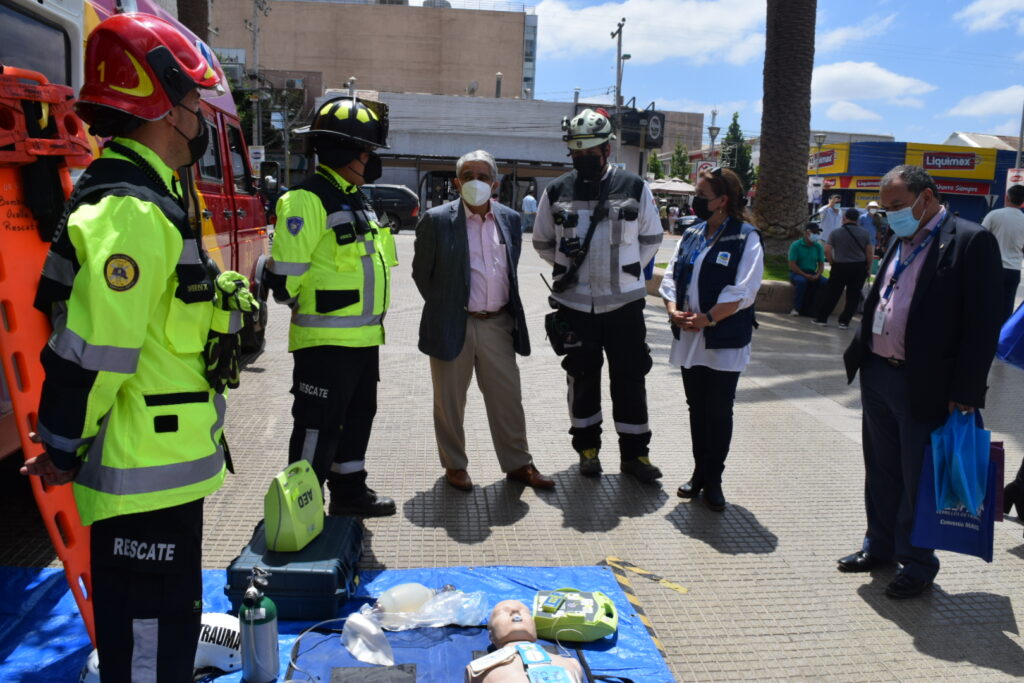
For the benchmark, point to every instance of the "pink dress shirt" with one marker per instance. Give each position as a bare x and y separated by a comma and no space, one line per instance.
488,264
890,343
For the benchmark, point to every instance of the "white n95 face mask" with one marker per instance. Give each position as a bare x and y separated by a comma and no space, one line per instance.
476,192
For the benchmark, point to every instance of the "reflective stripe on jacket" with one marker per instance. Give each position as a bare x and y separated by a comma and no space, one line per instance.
336,261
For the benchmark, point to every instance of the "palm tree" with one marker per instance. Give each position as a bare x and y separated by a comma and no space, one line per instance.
781,203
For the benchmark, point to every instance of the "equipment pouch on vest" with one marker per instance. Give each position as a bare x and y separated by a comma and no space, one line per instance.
562,337
629,210
344,233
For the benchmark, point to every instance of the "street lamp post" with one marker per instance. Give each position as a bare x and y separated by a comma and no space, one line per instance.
819,139
713,131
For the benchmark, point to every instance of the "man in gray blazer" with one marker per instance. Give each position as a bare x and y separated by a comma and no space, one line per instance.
464,265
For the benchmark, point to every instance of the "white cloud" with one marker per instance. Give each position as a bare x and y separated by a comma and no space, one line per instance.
848,111
913,102
989,15
862,81
990,103
699,31
1011,127
725,109
872,27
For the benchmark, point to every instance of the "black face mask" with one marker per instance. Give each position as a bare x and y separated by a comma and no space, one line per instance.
372,169
197,145
700,208
589,168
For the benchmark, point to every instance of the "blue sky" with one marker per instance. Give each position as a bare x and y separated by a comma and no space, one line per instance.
916,69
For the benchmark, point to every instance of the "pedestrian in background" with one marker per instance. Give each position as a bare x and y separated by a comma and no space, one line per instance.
716,273
849,252
806,265
1007,224
466,254
923,350
868,221
830,216
529,211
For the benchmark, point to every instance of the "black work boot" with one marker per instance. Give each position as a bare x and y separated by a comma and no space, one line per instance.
641,469
590,464
351,496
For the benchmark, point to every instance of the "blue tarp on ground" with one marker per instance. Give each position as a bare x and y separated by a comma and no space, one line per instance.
42,637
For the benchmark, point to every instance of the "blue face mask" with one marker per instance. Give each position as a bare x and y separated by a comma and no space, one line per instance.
903,222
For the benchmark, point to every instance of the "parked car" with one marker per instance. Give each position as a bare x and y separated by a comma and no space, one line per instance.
682,223
396,206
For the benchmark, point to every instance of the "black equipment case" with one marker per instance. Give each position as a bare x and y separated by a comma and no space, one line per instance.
308,585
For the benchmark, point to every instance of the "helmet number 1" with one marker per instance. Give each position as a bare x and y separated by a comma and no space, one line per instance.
102,68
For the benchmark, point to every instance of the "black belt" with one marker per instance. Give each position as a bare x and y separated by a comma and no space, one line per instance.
486,315
893,362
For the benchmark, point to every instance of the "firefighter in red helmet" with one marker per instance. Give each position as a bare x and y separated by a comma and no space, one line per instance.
132,409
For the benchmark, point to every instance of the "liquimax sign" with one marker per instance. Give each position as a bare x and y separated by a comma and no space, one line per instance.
831,159
944,161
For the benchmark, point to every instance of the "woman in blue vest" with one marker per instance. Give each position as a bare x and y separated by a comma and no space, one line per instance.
709,293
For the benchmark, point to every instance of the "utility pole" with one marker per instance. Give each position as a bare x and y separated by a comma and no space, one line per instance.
1020,139
260,8
617,33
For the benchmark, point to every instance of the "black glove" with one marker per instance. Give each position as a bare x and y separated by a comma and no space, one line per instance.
221,355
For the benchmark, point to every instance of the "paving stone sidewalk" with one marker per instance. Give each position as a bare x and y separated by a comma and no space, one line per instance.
765,601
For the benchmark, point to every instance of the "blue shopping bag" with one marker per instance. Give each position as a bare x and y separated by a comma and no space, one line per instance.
960,454
1011,339
955,529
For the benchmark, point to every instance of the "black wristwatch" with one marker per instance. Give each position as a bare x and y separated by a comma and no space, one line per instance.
711,321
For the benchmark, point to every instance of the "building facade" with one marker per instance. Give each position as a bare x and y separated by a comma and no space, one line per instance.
387,47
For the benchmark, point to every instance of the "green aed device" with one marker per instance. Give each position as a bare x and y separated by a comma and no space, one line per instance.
569,614
293,509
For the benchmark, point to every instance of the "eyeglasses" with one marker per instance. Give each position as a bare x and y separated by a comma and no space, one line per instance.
715,171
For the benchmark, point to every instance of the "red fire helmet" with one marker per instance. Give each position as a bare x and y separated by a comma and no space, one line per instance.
141,65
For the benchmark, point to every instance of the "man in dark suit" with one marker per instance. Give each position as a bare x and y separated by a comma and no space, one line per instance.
464,265
930,327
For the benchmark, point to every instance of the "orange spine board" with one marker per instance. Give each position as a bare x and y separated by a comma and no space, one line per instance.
24,330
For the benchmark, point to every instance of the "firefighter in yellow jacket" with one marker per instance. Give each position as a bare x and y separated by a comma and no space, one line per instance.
132,406
331,262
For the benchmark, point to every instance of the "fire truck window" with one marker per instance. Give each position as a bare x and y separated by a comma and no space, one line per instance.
210,167
30,43
239,162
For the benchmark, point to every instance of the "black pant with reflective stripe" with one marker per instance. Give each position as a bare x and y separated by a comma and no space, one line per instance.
335,389
621,336
147,593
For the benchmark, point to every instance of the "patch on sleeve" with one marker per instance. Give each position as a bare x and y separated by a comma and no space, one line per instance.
121,272
295,224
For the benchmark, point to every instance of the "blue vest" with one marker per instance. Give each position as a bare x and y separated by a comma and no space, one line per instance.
737,330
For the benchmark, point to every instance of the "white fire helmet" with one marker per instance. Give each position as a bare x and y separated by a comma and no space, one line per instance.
589,128
220,643
219,647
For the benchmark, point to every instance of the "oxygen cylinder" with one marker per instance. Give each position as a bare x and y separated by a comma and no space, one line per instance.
257,618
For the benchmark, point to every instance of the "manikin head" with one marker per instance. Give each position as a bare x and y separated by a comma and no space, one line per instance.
511,622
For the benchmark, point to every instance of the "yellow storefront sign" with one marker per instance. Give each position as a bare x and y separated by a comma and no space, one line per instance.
861,199
831,159
947,161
